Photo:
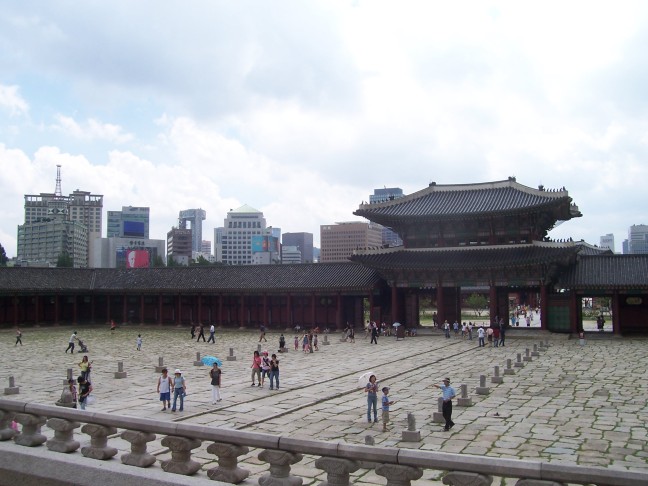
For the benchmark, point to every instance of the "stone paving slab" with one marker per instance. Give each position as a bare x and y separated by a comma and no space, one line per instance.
572,404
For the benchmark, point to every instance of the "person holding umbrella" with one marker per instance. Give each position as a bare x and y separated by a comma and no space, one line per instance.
215,375
448,394
372,398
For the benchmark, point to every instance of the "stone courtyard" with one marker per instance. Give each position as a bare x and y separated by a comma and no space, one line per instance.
570,404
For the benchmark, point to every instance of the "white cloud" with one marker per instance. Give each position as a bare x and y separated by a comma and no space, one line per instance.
92,130
11,101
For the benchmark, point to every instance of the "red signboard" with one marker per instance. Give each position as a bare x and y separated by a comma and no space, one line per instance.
137,259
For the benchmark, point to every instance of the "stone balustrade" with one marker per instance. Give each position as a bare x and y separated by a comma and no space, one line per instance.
399,466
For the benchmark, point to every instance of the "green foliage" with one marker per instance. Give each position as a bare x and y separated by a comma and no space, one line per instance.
478,303
201,260
3,256
158,261
64,260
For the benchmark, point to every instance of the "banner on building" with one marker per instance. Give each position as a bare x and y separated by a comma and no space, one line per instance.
137,259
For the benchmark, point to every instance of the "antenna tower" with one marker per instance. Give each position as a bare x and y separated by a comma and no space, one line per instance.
57,191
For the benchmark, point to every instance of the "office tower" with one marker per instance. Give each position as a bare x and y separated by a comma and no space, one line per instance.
303,242
607,241
290,254
130,221
179,242
389,237
638,239
240,226
40,243
205,247
338,241
194,217
80,207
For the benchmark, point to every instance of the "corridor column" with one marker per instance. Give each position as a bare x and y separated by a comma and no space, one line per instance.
543,307
394,303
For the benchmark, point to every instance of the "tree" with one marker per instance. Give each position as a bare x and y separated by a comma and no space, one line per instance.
478,303
158,261
3,256
201,260
64,260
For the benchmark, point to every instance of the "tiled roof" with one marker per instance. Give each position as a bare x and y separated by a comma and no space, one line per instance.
261,278
607,271
438,201
477,257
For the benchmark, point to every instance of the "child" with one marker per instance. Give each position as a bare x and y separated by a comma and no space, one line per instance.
385,407
315,343
139,342
305,343
296,343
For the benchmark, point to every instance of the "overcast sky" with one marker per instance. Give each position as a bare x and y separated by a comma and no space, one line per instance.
302,108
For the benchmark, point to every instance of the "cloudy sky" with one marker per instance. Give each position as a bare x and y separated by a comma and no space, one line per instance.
301,108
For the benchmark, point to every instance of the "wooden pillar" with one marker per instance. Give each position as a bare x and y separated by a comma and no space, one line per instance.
616,321
242,312
394,304
142,308
493,308
75,309
15,310
338,311
573,312
371,306
199,297
289,311
313,313
160,300
440,305
178,307
37,309
544,307
56,309
265,319
220,309
92,309
125,308
108,307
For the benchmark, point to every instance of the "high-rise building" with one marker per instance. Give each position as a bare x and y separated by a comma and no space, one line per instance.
205,247
41,242
290,254
338,241
240,226
303,242
129,222
179,246
81,207
637,239
389,237
127,252
607,241
194,217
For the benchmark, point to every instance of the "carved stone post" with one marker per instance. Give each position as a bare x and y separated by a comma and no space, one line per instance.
227,470
482,389
508,370
527,357
399,475
63,440
280,462
464,400
519,363
160,366
198,362
460,478
12,389
496,378
30,435
180,462
231,356
437,417
326,341
411,434
138,456
535,352
337,470
120,373
6,432
98,448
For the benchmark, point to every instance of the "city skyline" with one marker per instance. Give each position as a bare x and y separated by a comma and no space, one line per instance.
302,110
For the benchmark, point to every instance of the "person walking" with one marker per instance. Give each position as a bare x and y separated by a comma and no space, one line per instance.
179,390
139,342
193,331
372,398
446,329
215,375
18,337
201,333
70,347
448,394
164,385
212,331
274,372
256,368
265,367
480,337
262,333
86,367
85,387
374,333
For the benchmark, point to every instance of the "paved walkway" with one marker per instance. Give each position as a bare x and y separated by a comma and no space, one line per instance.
573,404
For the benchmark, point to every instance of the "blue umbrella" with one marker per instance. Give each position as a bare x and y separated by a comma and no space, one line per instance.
210,360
